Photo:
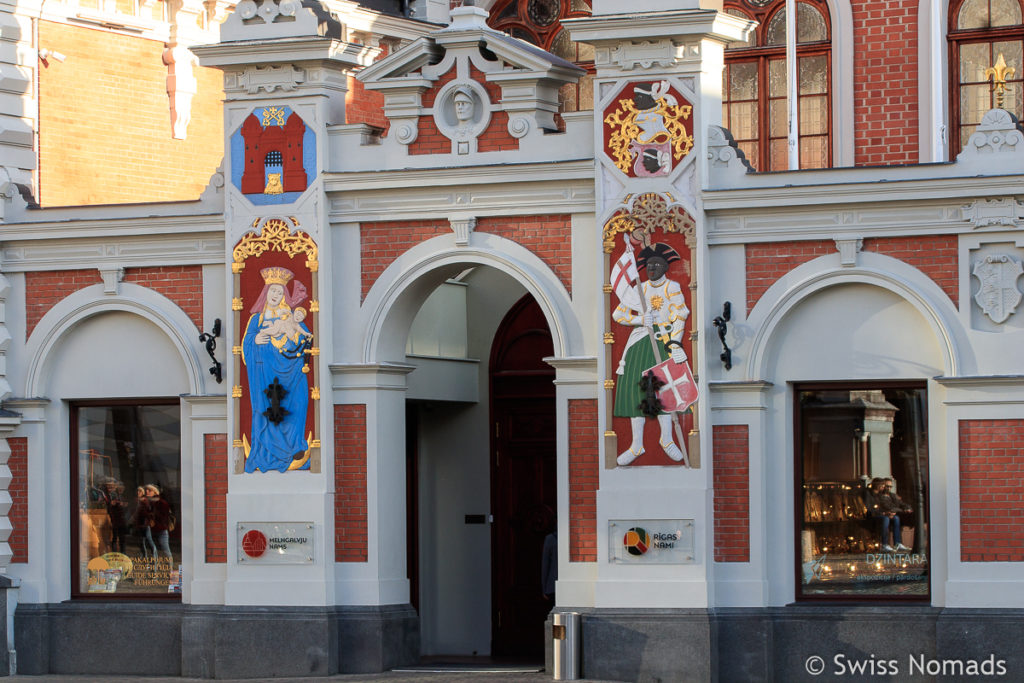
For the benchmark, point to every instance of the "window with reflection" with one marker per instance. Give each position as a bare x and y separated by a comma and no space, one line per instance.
986,43
755,89
539,22
862,470
126,491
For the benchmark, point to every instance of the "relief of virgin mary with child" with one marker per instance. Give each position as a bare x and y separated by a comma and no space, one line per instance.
273,353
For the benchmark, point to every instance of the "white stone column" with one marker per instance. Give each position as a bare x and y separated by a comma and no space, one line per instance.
679,44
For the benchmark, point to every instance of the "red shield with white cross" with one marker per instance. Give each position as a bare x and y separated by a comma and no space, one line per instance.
680,391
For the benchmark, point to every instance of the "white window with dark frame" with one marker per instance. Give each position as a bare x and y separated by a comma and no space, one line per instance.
986,45
126,494
755,91
861,504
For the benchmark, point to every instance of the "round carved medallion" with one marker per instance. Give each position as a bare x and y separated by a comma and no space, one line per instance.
543,12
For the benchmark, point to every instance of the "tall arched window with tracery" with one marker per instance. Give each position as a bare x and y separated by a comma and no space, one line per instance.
981,32
540,22
755,91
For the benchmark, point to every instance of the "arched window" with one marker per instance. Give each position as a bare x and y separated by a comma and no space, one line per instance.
540,22
754,89
982,31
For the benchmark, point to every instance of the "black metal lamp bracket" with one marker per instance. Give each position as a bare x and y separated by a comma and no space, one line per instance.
210,339
720,323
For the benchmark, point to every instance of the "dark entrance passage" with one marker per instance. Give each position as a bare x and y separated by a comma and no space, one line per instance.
523,478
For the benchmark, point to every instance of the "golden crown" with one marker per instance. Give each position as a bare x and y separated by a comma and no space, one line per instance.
276,275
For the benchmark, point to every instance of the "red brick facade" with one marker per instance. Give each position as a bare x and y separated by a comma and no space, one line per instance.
731,473
768,261
885,113
181,284
583,480
992,490
105,124
934,255
44,289
350,534
366,106
18,464
384,241
546,236
215,492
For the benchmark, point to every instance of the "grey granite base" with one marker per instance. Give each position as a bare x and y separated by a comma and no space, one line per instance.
115,638
778,645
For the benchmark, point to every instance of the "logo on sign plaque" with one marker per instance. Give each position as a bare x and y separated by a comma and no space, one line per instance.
651,541
275,542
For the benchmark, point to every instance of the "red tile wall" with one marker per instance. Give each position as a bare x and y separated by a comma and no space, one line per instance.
546,236
215,496
350,533
583,480
18,463
731,473
885,99
934,255
992,490
181,284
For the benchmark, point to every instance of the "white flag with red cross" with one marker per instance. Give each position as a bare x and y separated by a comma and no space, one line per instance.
679,391
624,277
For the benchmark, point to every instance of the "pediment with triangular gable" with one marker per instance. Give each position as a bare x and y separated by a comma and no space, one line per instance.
468,89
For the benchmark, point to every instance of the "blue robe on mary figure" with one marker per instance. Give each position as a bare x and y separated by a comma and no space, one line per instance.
274,446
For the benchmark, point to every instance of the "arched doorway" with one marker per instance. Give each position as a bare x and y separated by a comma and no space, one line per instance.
523,478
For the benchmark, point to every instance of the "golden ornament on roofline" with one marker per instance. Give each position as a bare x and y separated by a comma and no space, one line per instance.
999,72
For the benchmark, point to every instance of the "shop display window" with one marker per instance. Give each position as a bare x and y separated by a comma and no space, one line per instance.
126,494
862,471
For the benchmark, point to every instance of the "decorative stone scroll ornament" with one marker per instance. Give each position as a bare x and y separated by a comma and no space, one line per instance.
647,129
984,213
276,308
652,242
999,295
998,132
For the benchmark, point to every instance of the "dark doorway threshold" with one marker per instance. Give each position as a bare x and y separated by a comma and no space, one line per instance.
467,664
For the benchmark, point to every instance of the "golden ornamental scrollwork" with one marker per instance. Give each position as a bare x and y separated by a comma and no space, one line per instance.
649,213
275,236
626,129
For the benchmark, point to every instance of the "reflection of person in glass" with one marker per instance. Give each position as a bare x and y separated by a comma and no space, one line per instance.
272,353
161,515
142,520
117,511
886,506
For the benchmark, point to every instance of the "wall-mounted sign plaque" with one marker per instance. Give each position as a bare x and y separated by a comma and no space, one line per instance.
275,542
651,541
